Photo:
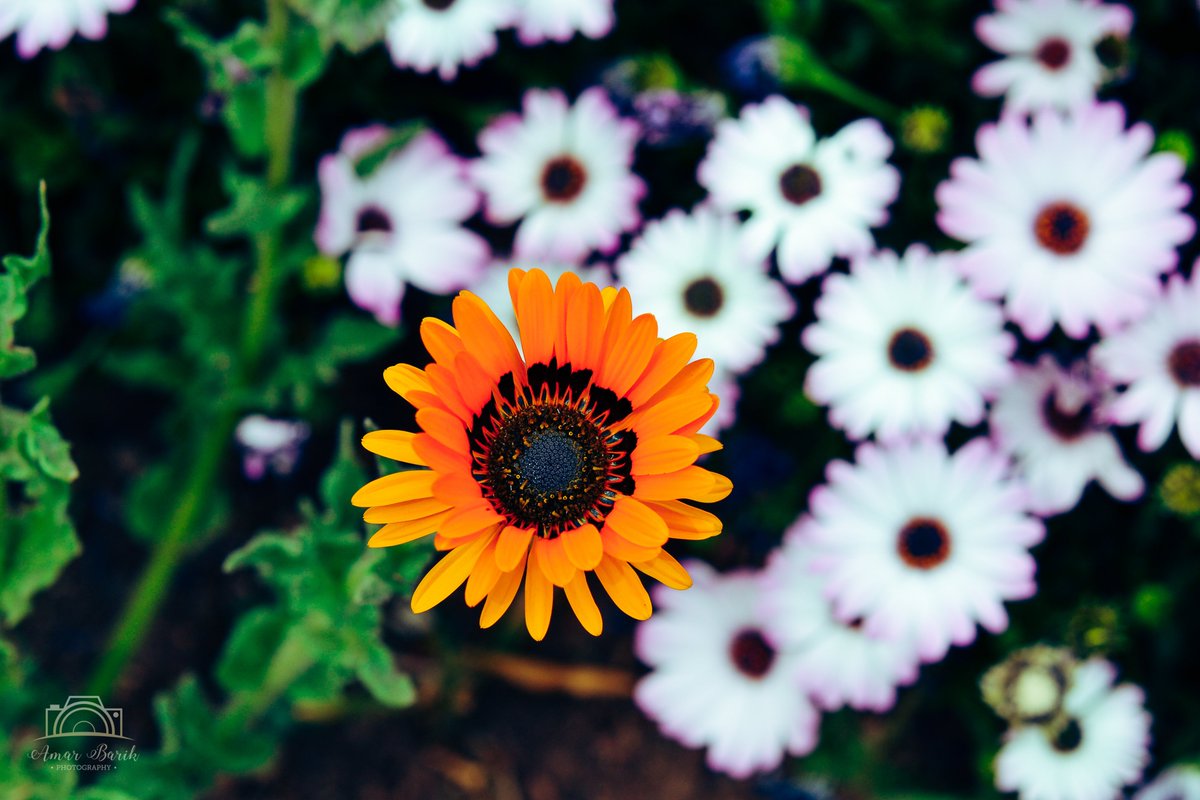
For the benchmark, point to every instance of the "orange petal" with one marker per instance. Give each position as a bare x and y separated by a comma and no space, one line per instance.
443,426
396,445
502,594
624,587
484,576
692,483
516,276
669,358
485,336
698,423
706,444
441,340
608,296
564,299
447,575
621,368
686,522
553,561
637,522
398,487
473,383
402,512
539,598
404,379
456,489
665,416
441,458
469,520
664,454
617,319
534,301
584,606
666,570
446,388
407,531
583,327
692,378
583,546
620,548
512,546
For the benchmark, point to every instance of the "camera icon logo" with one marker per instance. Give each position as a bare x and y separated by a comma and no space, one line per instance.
84,715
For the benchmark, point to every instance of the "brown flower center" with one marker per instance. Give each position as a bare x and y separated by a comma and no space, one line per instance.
1184,363
704,297
799,183
923,543
563,179
438,5
1062,228
373,219
1069,738
1067,425
910,350
751,653
545,457
1054,53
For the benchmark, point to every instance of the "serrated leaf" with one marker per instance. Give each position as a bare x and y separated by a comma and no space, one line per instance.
254,207
343,478
44,446
269,553
42,542
248,650
37,266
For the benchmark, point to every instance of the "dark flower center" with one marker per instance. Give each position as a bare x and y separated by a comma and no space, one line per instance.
438,5
751,653
1061,228
545,457
799,183
563,179
923,543
1184,363
910,350
373,219
1054,53
704,297
1069,738
1067,425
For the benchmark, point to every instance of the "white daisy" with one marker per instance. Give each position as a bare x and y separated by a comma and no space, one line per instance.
1176,783
52,23
1067,218
923,544
1102,745
565,170
1051,422
446,34
400,223
1159,359
691,272
903,347
269,443
836,662
1050,51
559,20
717,681
815,199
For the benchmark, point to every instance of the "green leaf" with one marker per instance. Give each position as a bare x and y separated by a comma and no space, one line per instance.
32,269
248,650
377,671
44,446
304,55
244,113
41,541
396,140
255,207
345,477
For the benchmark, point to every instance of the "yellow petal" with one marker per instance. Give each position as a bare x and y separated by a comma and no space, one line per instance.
402,512
692,483
684,521
539,598
666,570
395,488
553,561
502,594
512,547
404,379
623,586
463,522
583,604
483,578
637,522
583,546
395,533
447,575
396,445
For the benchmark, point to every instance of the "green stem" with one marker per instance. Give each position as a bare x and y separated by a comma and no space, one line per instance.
291,660
801,66
151,589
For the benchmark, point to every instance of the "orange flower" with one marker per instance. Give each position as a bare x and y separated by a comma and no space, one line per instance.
573,459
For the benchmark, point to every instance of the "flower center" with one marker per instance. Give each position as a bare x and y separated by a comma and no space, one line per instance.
438,5
1069,738
563,179
543,454
923,543
704,297
799,183
1054,53
1184,363
1061,228
910,350
1067,425
373,219
1037,693
751,653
